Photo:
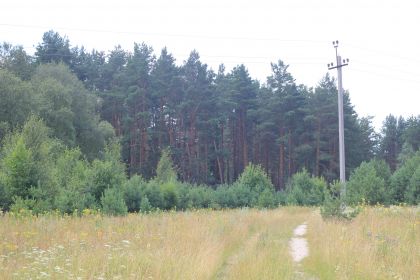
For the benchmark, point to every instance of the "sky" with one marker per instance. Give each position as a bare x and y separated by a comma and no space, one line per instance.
379,37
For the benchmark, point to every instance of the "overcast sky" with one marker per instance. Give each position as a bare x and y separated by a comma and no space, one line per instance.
380,37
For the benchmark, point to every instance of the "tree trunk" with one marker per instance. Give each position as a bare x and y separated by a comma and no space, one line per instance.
318,149
281,160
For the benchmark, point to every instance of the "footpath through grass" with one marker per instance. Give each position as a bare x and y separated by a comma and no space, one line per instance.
233,244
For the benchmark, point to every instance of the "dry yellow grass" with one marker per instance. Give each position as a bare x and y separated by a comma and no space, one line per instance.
381,243
233,244
183,245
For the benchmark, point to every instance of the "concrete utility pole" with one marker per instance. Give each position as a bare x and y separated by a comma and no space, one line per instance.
338,66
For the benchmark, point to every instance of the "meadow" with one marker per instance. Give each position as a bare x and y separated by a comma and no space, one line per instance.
380,243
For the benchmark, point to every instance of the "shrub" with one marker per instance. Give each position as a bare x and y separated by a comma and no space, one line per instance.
21,205
72,174
165,171
305,190
134,190
113,202
145,205
243,196
170,195
184,201
365,185
255,178
224,196
3,197
281,197
201,197
18,168
412,194
71,200
267,199
249,186
334,207
400,180
154,195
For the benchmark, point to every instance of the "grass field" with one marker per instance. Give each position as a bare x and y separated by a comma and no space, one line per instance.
381,243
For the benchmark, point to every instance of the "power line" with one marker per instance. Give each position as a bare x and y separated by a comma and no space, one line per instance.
384,75
388,69
165,34
410,59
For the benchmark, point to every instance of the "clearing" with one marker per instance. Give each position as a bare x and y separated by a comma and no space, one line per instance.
381,243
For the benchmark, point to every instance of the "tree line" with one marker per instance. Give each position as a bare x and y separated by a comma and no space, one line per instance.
214,123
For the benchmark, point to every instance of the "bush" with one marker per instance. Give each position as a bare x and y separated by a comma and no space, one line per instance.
201,197
170,195
165,171
400,181
18,169
412,194
255,178
71,200
366,185
184,201
134,190
305,190
154,195
145,205
72,174
3,197
113,202
250,185
334,207
267,199
224,196
281,197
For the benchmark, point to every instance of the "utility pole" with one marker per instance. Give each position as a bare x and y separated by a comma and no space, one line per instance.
338,66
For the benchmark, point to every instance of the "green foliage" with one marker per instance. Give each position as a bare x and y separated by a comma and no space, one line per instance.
107,173
170,195
17,167
402,187
145,205
53,48
16,60
69,109
335,207
200,197
255,179
112,202
225,196
60,114
412,194
134,190
71,200
154,195
72,174
16,102
27,164
267,199
21,206
365,184
165,171
305,190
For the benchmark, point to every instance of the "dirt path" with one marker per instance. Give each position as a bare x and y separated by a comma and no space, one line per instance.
298,244
233,259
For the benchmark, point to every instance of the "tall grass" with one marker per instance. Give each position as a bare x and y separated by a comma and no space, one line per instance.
381,243
178,245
